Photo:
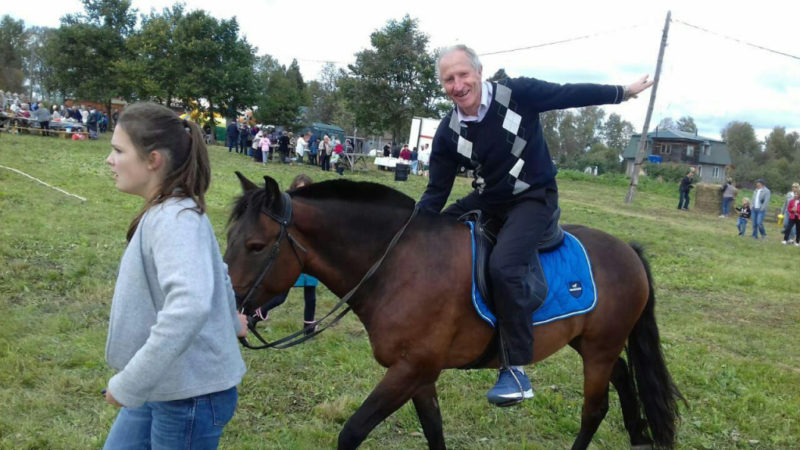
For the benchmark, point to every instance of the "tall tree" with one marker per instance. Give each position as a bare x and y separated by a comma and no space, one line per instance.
667,124
616,132
686,124
499,75
156,68
782,145
12,53
393,80
588,123
42,81
217,63
741,140
280,101
86,51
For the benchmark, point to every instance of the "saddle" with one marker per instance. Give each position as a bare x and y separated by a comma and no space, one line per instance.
486,230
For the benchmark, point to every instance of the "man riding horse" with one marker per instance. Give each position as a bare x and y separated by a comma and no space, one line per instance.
495,128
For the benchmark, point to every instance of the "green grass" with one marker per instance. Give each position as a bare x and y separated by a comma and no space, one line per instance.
727,309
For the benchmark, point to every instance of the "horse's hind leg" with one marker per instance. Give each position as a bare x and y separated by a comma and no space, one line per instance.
597,368
427,405
631,414
401,382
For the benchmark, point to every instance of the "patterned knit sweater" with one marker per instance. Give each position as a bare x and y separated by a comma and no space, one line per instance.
506,149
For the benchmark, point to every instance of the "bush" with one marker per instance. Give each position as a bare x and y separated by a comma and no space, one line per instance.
667,172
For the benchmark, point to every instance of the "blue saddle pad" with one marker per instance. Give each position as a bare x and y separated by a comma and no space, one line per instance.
571,288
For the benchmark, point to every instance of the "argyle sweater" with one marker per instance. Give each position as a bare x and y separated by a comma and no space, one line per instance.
506,149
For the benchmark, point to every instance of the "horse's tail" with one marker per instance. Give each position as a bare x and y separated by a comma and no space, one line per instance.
653,384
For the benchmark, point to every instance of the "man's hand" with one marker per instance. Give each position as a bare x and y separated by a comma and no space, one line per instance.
243,321
638,86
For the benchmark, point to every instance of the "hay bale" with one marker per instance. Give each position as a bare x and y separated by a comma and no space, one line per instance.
708,198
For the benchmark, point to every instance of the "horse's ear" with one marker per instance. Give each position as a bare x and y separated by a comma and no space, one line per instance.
247,185
274,194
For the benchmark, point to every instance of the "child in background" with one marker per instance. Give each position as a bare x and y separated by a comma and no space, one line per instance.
744,216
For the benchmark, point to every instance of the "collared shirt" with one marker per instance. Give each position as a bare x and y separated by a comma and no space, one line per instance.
757,198
486,100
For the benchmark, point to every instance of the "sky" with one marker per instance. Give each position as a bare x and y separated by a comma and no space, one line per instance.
705,75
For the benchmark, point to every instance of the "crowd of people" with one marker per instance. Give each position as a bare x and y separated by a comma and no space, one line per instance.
41,114
417,159
265,144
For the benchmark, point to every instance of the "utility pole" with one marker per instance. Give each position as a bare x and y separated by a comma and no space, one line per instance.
637,165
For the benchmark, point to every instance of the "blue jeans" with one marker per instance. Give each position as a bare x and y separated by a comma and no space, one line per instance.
194,423
726,205
683,201
742,225
758,222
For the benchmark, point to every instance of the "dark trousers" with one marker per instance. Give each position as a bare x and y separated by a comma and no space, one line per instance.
683,201
312,159
325,161
518,284
788,232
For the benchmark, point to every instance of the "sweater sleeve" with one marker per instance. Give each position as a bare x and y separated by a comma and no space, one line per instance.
178,240
443,169
546,96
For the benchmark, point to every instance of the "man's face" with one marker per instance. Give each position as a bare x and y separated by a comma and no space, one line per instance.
759,186
461,81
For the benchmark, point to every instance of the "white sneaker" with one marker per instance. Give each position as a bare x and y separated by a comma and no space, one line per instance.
784,242
797,244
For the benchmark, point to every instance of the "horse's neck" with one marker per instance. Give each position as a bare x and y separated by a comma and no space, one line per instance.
343,242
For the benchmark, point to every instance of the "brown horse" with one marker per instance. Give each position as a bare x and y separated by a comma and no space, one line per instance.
416,307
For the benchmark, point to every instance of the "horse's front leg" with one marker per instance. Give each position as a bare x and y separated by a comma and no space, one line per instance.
426,402
401,382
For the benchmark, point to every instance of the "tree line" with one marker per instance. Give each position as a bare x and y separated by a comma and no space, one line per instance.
189,59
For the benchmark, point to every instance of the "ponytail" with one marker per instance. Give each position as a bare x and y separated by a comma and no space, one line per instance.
188,173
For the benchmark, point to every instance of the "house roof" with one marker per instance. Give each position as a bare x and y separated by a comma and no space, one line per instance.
719,154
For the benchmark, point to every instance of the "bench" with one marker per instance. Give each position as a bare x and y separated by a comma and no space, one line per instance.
31,130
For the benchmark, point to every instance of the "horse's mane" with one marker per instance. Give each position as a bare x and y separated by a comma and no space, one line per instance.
356,192
351,191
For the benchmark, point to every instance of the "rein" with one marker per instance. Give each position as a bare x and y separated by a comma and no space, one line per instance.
300,336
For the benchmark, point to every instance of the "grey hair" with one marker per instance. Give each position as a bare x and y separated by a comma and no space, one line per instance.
473,57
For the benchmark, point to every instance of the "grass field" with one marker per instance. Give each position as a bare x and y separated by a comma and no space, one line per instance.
728,310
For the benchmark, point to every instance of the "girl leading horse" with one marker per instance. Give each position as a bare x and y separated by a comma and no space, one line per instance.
420,320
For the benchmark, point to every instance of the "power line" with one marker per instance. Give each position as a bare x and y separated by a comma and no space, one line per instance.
737,40
562,41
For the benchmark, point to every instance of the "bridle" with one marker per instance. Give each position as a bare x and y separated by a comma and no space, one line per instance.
284,220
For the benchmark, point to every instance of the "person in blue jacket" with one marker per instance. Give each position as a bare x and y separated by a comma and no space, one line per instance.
494,128
307,282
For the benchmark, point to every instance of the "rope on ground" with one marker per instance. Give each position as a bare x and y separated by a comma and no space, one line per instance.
42,182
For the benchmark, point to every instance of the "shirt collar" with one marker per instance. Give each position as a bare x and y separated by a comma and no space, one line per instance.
487,94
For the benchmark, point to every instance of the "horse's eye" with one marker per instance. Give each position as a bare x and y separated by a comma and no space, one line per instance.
255,247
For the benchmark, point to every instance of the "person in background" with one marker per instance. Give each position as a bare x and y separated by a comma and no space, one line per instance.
325,153
414,161
387,150
405,154
313,148
173,323
683,190
793,214
232,136
301,145
744,216
784,211
43,116
283,147
266,145
307,282
761,197
728,193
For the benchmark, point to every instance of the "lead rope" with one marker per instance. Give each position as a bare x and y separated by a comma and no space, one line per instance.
292,339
